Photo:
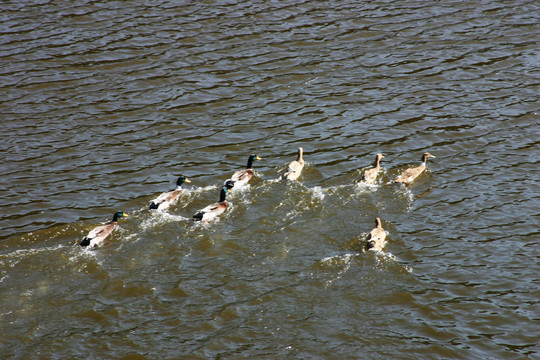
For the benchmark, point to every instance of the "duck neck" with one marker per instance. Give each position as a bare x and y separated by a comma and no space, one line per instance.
250,163
222,195
300,153
424,159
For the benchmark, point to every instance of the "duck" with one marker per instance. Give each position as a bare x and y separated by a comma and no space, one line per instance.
165,200
213,210
96,236
376,237
409,175
370,175
295,167
242,177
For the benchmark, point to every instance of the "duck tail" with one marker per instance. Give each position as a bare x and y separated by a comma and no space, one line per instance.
152,206
85,241
198,216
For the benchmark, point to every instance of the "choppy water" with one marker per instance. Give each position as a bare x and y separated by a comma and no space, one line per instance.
104,103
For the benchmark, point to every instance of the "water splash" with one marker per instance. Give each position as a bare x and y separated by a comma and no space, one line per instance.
317,192
344,260
364,188
383,257
159,218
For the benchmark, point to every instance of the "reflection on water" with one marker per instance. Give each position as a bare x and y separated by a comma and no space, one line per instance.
105,104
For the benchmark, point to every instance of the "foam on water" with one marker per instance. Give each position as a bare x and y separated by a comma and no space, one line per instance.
318,192
158,218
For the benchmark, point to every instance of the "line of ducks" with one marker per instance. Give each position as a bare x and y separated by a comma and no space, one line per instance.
376,238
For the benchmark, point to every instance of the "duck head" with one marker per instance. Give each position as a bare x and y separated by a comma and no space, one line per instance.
118,215
229,184
181,180
426,156
250,161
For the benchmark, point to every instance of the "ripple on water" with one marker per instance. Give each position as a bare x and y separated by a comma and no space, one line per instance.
103,104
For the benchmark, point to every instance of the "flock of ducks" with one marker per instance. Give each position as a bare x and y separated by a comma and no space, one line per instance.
375,240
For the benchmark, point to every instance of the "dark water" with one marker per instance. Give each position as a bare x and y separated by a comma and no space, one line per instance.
104,104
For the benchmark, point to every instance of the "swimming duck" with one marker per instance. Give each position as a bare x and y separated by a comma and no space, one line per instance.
376,237
409,175
242,177
370,175
213,210
100,233
165,200
295,167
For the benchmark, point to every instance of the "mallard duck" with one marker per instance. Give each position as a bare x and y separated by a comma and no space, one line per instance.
213,210
409,175
165,200
295,167
242,177
100,233
370,175
376,237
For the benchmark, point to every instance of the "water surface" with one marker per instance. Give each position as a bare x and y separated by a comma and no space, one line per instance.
105,103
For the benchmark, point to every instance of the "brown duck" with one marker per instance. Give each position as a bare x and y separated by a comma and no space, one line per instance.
370,175
409,175
376,237
295,167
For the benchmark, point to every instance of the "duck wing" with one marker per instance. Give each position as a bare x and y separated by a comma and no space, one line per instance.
242,177
294,170
376,239
211,211
98,234
164,200
370,175
410,174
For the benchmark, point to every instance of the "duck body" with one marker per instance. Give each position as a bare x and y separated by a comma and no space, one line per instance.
377,236
294,169
370,175
213,210
241,177
165,200
98,234
409,175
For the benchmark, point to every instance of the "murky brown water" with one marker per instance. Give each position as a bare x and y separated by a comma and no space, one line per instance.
104,104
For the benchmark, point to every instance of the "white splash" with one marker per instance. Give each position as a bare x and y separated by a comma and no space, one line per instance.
318,192
362,187
383,256
344,259
160,217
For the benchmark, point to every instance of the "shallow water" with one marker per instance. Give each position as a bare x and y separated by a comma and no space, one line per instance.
105,103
